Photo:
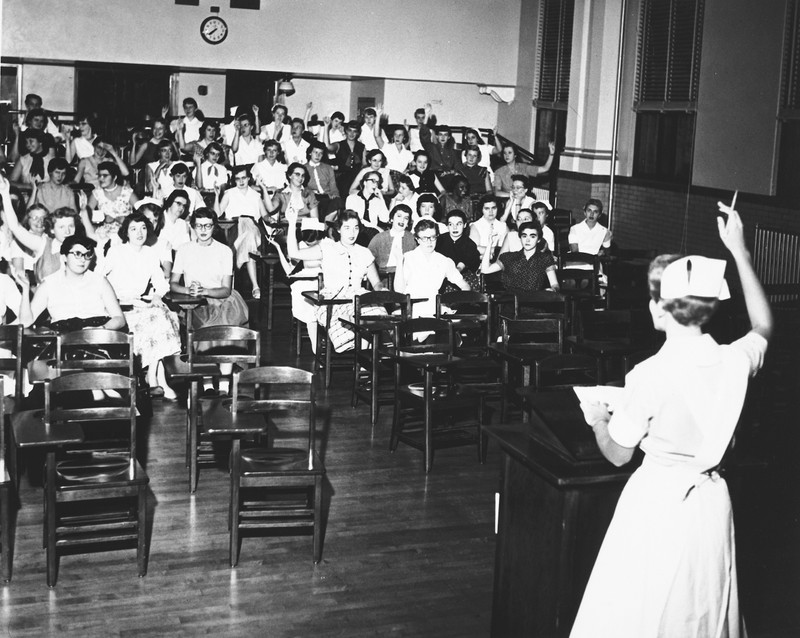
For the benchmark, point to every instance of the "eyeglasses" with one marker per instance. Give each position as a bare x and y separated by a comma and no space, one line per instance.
87,256
427,238
298,174
371,179
203,226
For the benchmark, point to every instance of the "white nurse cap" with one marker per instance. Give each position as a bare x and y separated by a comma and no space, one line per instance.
696,276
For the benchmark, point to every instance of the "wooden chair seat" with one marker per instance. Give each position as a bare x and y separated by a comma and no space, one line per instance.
264,461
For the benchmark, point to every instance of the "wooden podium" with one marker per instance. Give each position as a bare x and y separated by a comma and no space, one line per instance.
558,496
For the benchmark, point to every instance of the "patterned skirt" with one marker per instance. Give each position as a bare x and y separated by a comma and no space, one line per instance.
156,333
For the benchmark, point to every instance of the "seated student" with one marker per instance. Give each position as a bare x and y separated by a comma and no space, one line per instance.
75,296
269,173
134,270
519,198
276,129
173,232
33,165
348,156
187,128
542,211
459,198
296,197
155,216
405,193
443,155
158,172
54,193
322,181
504,176
476,174
89,166
81,146
303,274
389,245
209,134
333,131
211,174
488,228
370,130
417,137
180,176
204,268
589,236
375,162
149,151
512,243
398,157
425,180
246,205
345,265
22,257
528,270
294,146
246,147
457,245
421,272
472,139
110,200
369,205
428,208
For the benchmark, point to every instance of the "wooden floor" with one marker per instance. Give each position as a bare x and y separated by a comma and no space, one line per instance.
404,554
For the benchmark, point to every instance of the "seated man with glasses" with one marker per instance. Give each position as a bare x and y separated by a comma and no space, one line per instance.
75,296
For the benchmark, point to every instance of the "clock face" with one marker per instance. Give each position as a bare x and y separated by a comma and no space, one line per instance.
214,30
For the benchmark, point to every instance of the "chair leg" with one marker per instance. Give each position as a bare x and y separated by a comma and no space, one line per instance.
374,373
50,521
233,510
317,519
483,440
356,378
141,543
270,297
5,532
504,394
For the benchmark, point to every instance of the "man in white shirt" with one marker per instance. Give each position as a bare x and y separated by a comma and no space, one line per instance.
294,146
190,123
269,172
276,129
589,236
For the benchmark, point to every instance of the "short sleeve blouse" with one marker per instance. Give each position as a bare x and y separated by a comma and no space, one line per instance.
343,268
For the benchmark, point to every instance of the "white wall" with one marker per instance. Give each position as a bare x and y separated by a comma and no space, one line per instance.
470,40
327,96
56,85
212,104
453,104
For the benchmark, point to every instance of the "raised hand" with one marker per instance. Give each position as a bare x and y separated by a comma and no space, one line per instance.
551,146
255,109
5,185
164,110
327,120
21,278
309,106
83,201
731,232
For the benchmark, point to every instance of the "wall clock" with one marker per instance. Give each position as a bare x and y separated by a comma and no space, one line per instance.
214,30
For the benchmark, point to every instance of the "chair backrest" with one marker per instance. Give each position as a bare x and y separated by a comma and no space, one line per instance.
564,371
383,303
437,335
224,344
2,430
276,389
576,260
577,279
539,302
11,340
473,313
543,334
67,399
96,349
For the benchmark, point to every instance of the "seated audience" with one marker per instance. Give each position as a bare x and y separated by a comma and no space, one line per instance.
81,147
294,146
397,155
542,211
459,198
417,137
333,131
276,129
389,245
204,268
246,147
421,272
477,175
369,205
512,243
348,156
110,200
89,166
405,193
134,270
527,270
53,193
211,174
344,265
444,158
244,204
158,172
428,207
375,162
519,198
425,180
472,140
504,176
296,197
33,165
457,245
187,128
23,258
589,236
269,173
488,229
370,130
181,175
74,296
322,180
148,151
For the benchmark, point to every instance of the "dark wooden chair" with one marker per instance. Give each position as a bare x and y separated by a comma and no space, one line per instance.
433,413
277,487
472,319
525,341
97,497
376,330
7,496
210,348
11,340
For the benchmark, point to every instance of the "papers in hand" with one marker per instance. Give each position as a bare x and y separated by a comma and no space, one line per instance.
591,396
